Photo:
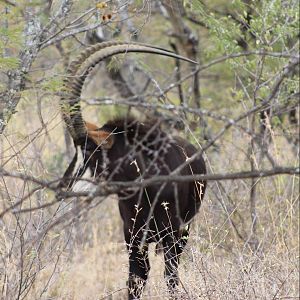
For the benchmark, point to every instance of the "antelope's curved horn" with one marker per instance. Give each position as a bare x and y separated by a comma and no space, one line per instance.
82,66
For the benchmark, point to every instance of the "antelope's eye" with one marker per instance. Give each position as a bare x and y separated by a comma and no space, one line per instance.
87,150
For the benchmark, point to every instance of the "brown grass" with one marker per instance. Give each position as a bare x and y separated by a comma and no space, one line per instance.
88,259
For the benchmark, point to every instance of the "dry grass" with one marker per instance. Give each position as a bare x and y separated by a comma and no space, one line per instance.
215,265
88,260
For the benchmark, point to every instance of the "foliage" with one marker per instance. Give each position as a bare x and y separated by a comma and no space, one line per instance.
245,241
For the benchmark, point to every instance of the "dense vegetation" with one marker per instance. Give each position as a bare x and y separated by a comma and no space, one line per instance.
240,104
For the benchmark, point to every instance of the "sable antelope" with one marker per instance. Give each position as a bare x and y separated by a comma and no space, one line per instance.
128,150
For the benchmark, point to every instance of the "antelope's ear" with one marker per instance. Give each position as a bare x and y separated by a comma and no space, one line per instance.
102,138
90,126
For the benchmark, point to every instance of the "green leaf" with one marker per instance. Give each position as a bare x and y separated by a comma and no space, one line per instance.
8,63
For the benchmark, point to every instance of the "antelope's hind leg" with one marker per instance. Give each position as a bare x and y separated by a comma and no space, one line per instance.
173,248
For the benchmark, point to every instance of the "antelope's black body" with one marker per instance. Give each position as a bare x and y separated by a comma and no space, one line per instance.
139,151
127,150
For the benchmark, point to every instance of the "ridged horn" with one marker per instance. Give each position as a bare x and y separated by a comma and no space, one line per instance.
82,66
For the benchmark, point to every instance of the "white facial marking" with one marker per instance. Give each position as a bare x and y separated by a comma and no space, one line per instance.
80,184
80,160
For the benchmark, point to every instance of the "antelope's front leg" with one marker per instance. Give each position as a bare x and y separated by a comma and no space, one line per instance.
139,268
